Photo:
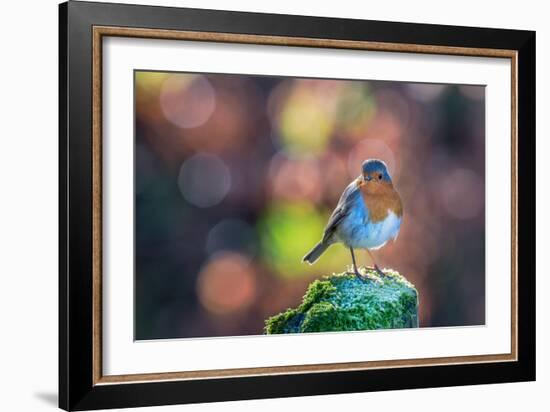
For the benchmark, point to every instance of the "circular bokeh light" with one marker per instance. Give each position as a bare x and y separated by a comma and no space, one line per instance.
187,101
462,194
232,235
204,180
227,284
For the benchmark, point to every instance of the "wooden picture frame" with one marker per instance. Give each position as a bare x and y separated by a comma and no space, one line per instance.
82,384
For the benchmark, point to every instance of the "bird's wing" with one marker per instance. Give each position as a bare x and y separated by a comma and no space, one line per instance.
349,196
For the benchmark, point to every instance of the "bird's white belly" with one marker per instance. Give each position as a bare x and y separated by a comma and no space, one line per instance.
357,231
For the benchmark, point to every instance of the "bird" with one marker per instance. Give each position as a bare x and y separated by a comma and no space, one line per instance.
367,216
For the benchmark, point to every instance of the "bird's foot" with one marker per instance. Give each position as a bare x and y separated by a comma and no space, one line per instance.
359,276
379,271
376,269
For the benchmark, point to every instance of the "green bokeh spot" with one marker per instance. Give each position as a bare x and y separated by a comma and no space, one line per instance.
288,231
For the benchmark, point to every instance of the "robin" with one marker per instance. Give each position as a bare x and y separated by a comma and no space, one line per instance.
368,215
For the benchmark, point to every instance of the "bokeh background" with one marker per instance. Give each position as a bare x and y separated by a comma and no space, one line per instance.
236,175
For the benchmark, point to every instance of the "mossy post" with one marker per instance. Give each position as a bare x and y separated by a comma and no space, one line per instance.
342,302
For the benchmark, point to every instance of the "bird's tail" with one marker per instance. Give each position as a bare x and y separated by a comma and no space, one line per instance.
315,253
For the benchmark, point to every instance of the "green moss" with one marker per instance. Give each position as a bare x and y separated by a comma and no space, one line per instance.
317,291
341,302
285,322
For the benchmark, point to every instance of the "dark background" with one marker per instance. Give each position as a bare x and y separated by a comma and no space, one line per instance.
236,176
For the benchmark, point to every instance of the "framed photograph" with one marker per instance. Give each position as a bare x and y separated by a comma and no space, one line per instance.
257,205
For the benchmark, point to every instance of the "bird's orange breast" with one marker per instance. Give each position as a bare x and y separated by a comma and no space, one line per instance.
380,198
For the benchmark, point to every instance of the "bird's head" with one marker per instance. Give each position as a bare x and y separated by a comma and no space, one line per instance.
375,171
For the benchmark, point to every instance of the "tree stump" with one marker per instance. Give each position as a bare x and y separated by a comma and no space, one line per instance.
342,302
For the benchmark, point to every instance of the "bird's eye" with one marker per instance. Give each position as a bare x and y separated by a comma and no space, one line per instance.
380,177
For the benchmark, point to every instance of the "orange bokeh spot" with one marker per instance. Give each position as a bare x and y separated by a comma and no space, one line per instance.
227,283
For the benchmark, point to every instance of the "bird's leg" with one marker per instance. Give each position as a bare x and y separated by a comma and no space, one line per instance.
378,270
355,265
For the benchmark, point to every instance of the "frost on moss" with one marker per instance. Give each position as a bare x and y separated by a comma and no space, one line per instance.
341,302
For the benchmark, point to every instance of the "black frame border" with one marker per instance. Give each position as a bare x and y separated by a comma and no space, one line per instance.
76,387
